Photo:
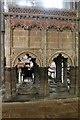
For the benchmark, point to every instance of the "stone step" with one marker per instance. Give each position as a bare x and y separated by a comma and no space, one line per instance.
26,89
27,93
57,89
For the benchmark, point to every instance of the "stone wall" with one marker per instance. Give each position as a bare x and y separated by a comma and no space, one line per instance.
43,38
44,109
10,82
74,79
43,44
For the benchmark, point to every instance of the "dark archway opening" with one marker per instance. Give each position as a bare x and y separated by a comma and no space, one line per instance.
27,74
59,74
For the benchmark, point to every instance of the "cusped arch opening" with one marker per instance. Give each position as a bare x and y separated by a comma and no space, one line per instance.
21,55
59,69
70,61
26,68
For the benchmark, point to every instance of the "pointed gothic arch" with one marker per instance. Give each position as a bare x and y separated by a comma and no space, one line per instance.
70,60
26,27
59,70
67,27
35,26
19,25
55,27
21,54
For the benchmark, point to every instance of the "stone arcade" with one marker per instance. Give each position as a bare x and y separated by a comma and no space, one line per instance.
34,39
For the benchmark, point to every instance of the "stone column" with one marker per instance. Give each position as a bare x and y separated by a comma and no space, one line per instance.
43,70
46,89
1,50
13,81
22,78
2,80
7,55
44,47
8,90
79,49
1,60
79,64
19,78
9,71
43,82
7,42
0,43
27,38
73,79
76,62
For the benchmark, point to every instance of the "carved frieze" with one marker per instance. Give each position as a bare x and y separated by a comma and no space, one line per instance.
42,24
28,18
39,11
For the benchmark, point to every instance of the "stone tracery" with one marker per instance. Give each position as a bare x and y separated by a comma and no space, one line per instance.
48,23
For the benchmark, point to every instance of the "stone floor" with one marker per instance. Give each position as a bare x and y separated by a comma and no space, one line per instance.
60,104
44,108
27,92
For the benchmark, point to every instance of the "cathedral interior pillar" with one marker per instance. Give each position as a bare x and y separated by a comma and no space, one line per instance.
7,55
